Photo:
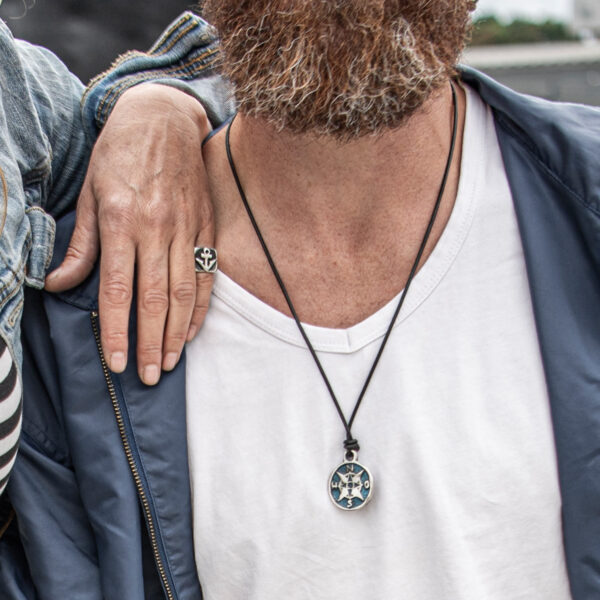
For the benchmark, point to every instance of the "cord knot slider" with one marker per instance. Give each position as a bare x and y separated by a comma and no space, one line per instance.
351,445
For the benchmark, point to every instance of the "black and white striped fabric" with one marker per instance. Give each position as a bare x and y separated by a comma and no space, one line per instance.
10,413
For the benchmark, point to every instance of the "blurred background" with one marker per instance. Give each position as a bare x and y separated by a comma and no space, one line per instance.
550,48
89,34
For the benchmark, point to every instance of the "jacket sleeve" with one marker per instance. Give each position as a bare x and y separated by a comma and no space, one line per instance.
185,56
51,98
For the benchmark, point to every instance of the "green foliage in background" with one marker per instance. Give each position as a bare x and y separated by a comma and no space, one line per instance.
489,30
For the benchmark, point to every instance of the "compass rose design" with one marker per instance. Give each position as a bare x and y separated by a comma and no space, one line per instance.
350,486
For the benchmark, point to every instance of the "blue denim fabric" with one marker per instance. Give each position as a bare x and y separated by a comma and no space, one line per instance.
185,57
43,151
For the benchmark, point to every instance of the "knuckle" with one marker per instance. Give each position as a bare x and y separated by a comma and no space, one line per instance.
204,283
200,311
116,290
74,253
112,339
186,213
113,227
156,215
184,292
149,350
155,301
115,212
175,339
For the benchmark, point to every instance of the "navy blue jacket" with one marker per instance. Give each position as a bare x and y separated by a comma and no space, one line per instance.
101,487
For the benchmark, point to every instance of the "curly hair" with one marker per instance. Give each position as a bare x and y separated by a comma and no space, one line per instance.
338,67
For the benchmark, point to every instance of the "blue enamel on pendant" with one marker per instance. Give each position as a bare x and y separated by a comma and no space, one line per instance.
350,485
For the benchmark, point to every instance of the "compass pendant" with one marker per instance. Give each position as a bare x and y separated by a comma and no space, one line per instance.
351,484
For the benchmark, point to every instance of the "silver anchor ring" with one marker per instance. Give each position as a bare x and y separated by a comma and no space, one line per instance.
205,260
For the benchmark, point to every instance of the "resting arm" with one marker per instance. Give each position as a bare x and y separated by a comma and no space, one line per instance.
144,200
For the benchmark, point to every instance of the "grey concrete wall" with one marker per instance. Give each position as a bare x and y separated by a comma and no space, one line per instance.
89,34
567,83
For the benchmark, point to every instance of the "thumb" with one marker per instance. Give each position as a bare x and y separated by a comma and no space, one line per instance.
83,248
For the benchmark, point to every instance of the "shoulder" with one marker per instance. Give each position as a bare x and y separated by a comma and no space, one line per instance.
562,138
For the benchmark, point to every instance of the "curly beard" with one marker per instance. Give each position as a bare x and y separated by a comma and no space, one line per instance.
342,68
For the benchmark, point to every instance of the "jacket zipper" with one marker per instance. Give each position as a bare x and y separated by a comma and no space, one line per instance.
132,466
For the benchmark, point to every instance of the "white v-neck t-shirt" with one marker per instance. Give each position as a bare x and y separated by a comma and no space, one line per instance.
455,430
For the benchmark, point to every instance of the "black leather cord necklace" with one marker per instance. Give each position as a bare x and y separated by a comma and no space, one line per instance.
351,484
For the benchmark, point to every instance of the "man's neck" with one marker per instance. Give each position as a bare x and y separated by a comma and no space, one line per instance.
348,218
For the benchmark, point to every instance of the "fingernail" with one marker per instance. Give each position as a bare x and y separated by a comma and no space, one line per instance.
151,375
170,361
191,333
117,362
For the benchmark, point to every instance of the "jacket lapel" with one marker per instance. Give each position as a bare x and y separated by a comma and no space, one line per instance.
156,425
550,155
153,438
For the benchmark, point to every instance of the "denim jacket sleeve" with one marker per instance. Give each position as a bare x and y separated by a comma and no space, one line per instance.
42,156
185,56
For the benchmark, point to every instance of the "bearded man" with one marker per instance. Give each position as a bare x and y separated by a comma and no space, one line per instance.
395,392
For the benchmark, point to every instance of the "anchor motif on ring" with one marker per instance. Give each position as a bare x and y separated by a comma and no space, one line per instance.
206,260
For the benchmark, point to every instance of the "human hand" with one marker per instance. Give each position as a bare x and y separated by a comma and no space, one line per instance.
145,203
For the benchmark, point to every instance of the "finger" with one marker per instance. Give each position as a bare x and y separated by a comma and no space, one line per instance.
182,294
83,248
153,304
204,285
204,281
114,300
